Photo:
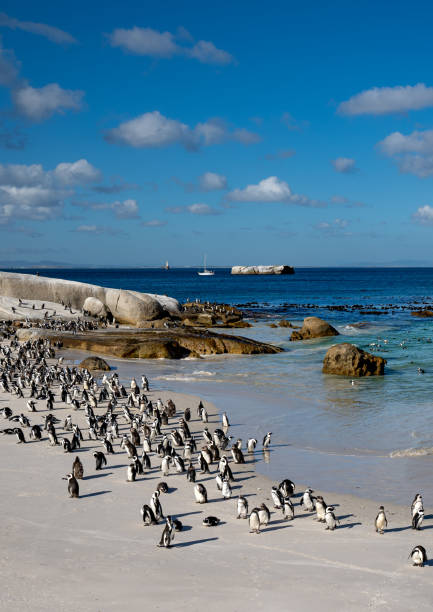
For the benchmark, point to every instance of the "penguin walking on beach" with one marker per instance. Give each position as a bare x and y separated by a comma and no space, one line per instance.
307,500
288,509
165,465
190,474
417,504
251,445
20,435
264,515
131,473
237,454
148,516
78,469
225,420
277,497
108,446
267,440
254,521
155,504
226,489
101,460
287,487
381,522
73,488
320,509
417,519
168,534
35,433
331,521
200,494
419,556
242,507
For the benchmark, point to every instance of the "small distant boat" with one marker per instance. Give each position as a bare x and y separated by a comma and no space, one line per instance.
167,267
206,272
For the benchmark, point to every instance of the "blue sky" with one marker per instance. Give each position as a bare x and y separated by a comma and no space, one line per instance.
295,133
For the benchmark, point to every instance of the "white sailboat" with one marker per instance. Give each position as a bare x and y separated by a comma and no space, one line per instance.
206,272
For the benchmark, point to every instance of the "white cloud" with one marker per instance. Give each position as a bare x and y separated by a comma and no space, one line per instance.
293,124
413,153
154,223
424,215
54,34
283,154
149,42
194,209
387,100
79,172
153,129
128,209
210,181
40,103
271,190
345,165
37,202
334,228
98,229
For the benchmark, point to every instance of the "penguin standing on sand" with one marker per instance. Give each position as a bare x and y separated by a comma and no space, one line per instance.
131,473
320,509
226,489
20,436
307,500
148,516
168,534
200,494
73,488
277,497
417,519
251,445
381,523
288,509
254,521
242,507
417,504
190,474
331,521
35,433
77,469
100,460
155,504
264,515
287,487
267,440
225,420
418,556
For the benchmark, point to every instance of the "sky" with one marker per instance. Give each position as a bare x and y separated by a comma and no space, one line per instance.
288,133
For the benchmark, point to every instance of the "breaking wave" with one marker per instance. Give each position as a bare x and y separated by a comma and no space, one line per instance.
412,452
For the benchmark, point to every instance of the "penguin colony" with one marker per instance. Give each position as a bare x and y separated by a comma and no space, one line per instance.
156,433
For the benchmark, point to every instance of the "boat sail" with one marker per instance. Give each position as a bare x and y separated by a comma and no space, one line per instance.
167,267
206,272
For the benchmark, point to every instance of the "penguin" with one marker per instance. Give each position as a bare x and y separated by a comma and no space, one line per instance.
168,534
206,454
320,509
31,406
381,523
237,454
307,500
145,459
417,504
52,436
242,507
200,494
20,436
251,445
131,473
264,515
108,447
203,464
204,415
267,439
211,521
287,487
138,465
226,489
35,433
100,460
179,464
255,521
155,504
225,420
331,521
187,451
418,556
277,497
73,488
165,465
66,445
219,482
148,516
162,487
177,525
187,414
288,509
190,474
77,469
417,519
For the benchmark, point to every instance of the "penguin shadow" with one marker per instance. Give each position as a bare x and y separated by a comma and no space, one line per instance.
193,542
97,476
188,514
349,525
242,479
275,526
397,529
115,467
96,493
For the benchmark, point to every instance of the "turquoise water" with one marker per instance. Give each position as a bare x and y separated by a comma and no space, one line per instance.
373,438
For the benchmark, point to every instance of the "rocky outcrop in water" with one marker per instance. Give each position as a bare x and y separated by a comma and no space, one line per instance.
263,270
349,360
94,363
313,327
129,307
153,343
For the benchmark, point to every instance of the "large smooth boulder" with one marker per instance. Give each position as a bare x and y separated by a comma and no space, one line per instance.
313,327
94,363
349,360
95,307
263,270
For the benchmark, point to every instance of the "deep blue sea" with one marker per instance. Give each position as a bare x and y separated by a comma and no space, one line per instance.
373,438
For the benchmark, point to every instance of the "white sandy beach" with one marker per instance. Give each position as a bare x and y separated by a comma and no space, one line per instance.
94,553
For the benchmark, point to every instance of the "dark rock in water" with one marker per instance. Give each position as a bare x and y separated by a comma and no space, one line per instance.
284,323
349,360
422,313
314,327
95,363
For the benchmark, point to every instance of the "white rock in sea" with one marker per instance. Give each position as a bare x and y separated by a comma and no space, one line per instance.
263,270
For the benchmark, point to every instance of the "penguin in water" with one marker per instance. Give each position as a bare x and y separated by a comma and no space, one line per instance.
277,497
211,521
267,440
418,556
307,500
100,460
417,519
287,487
251,445
288,509
20,436
264,515
77,469
381,523
254,521
73,488
331,521
131,473
200,494
242,507
168,534
148,516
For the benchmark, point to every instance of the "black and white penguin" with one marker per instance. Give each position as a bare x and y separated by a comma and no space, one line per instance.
187,414
288,509
417,519
225,420
417,504
78,469
320,509
287,487
100,460
165,465
418,556
162,487
307,500
190,474
108,447
331,521
31,406
255,521
200,494
237,454
177,525
155,504
219,482
73,488
145,459
138,465
264,514
251,445
226,489
211,521
148,516
179,464
35,433
277,497
242,507
381,523
267,439
131,473
66,445
20,435
168,534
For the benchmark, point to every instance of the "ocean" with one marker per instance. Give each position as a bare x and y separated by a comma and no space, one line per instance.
373,438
